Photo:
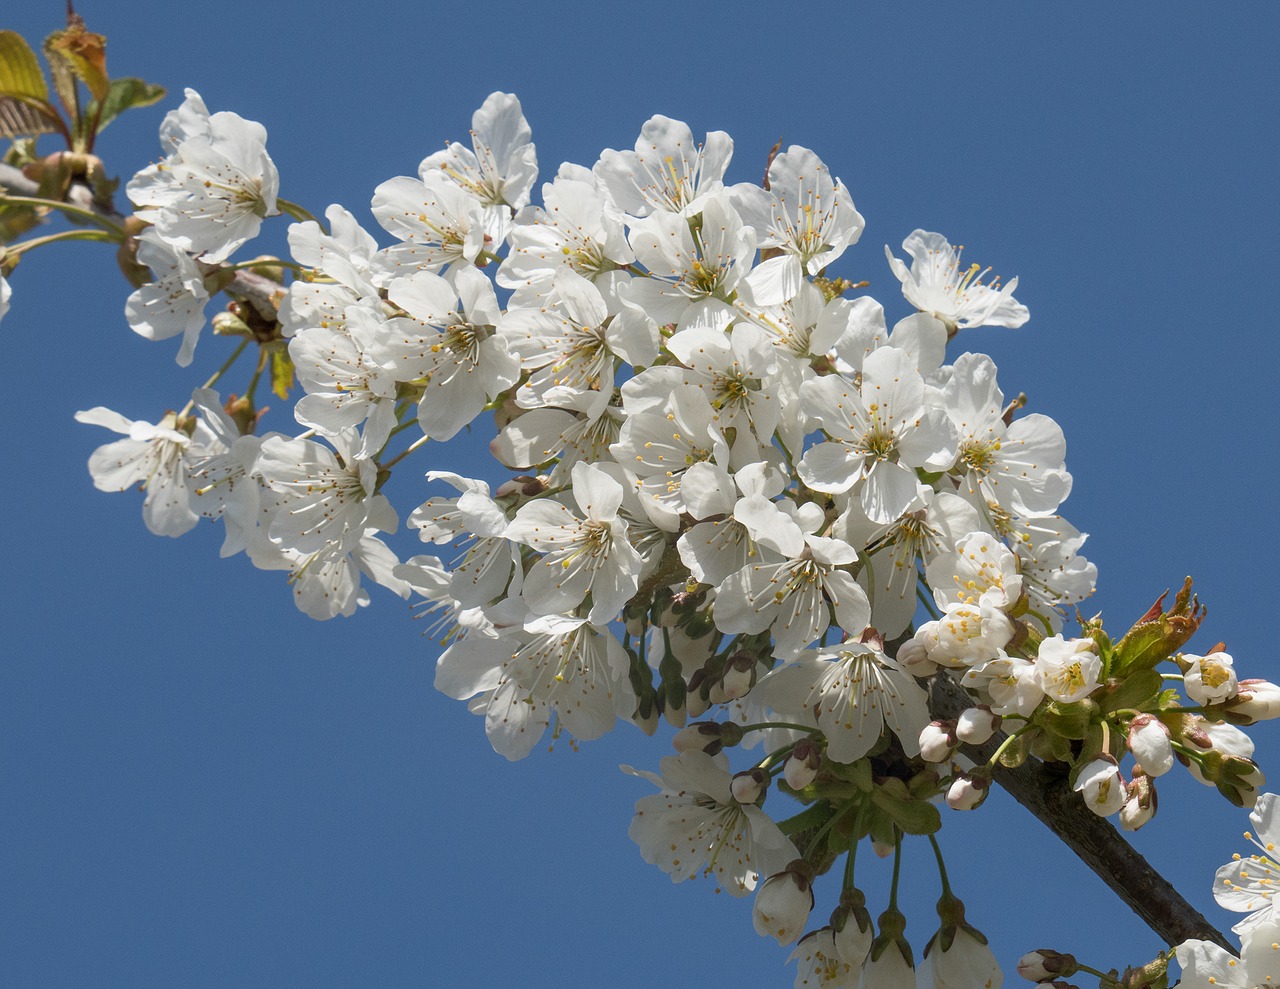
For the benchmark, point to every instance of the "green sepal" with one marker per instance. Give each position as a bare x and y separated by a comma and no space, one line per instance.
1159,634
858,773
1134,692
1068,720
911,816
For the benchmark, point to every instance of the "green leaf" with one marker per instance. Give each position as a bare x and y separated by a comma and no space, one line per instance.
912,816
24,95
1135,691
1159,634
281,373
20,73
125,94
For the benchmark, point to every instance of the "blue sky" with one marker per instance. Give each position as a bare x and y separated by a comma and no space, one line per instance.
201,787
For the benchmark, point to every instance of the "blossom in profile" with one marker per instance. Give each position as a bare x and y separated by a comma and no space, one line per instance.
937,284
151,456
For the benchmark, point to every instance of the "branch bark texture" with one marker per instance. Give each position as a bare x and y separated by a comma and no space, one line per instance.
1042,788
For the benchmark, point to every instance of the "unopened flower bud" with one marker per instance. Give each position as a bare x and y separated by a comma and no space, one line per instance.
782,906
1140,805
1150,745
1257,700
647,723
739,675
801,767
977,725
747,786
883,849
914,657
1102,786
230,325
937,741
707,736
967,792
854,932
1044,964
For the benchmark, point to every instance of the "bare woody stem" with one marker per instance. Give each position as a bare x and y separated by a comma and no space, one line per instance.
1042,789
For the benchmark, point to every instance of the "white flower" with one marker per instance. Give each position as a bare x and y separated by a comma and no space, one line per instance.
563,666
173,302
437,222
499,170
937,284
966,635
5,294
326,582
580,556
1206,965
1010,681
852,693
151,456
821,965
576,228
1211,678
796,597
693,272
695,826
1018,466
980,569
967,962
667,171
879,434
211,193
1247,885
804,214
327,503
345,258
782,907
1101,786
1068,670
449,339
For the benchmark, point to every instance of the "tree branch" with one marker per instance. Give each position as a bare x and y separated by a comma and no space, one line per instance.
1042,789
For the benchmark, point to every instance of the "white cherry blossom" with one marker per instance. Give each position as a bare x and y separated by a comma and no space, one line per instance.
667,171
937,284
695,826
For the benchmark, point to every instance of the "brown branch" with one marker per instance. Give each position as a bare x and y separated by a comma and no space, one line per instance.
1042,789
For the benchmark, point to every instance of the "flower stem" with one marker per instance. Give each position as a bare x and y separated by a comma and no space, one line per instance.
897,868
213,379
942,867
27,245
405,452
298,212
89,216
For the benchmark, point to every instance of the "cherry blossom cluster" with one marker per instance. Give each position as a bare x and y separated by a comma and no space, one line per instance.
726,486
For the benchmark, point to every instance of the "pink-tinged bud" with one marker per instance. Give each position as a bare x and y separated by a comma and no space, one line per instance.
966,793
647,723
739,676
676,716
882,849
801,767
1044,964
1150,745
914,657
703,736
747,786
1257,700
782,907
1102,786
937,741
977,725
1140,806
695,705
